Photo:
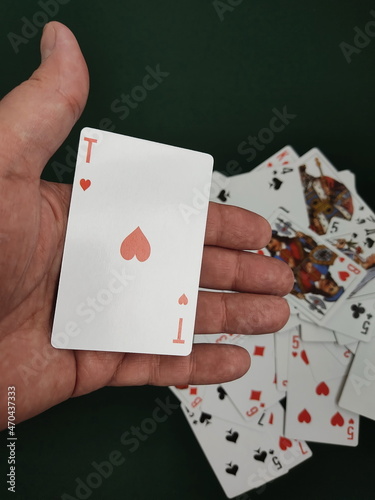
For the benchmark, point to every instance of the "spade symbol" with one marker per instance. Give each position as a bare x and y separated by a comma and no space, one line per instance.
232,469
276,183
223,196
221,392
205,418
370,242
260,455
232,436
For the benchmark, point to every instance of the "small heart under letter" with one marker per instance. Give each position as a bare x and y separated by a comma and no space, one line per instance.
343,275
183,300
85,183
322,389
285,443
135,245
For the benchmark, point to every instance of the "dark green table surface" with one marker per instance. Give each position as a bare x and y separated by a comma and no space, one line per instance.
225,78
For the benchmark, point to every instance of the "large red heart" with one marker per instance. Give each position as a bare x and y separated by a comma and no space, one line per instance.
343,275
285,443
304,416
322,388
135,245
85,183
337,419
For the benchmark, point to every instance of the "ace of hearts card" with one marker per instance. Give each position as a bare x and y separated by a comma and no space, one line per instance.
132,257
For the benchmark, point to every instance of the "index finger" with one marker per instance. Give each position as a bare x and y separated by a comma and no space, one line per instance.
237,228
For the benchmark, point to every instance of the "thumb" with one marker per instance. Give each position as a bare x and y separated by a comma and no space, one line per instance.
37,116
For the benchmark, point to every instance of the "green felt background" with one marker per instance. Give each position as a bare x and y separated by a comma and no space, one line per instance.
225,78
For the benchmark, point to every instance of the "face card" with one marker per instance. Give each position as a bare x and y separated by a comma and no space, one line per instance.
327,197
358,394
324,277
132,257
241,458
312,413
359,245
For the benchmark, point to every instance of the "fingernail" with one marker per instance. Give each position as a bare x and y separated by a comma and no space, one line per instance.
48,41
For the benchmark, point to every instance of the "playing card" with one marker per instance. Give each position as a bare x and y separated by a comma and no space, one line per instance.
291,452
327,198
358,394
132,257
241,458
221,184
312,413
256,390
310,332
281,357
323,365
324,277
266,190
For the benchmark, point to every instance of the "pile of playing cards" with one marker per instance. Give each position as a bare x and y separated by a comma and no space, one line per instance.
323,360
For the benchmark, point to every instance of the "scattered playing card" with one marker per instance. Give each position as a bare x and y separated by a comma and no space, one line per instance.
132,257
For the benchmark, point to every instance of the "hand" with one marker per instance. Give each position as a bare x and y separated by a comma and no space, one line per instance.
35,118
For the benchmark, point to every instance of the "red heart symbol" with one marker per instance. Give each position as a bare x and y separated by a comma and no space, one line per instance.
294,354
351,421
322,388
337,419
135,245
304,416
85,183
183,300
269,164
285,443
341,259
343,275
260,252
305,358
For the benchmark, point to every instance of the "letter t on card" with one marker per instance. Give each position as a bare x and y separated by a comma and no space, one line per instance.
134,214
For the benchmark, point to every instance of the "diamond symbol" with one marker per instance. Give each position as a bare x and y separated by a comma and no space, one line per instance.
259,351
193,390
256,395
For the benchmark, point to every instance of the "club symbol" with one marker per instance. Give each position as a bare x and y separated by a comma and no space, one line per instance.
369,316
357,310
221,392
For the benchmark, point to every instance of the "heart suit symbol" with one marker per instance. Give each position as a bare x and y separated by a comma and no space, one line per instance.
85,183
343,275
322,389
285,443
337,419
183,300
304,417
135,245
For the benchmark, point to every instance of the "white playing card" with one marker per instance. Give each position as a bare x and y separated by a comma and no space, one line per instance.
291,452
310,332
132,258
256,390
281,357
266,190
241,458
286,157
358,394
323,365
312,413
